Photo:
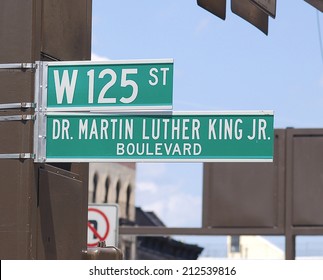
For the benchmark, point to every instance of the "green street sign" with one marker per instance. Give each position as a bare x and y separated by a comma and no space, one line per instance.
214,136
101,86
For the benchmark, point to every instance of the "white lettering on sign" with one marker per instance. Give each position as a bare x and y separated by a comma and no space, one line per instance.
225,129
159,149
109,84
128,82
159,136
175,129
125,82
65,85
155,79
60,129
105,129
259,127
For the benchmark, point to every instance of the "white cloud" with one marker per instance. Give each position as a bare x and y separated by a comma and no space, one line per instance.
321,81
171,192
152,170
179,210
158,207
95,57
202,25
148,187
184,210
174,207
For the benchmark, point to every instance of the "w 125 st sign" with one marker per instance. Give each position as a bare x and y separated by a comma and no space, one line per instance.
102,86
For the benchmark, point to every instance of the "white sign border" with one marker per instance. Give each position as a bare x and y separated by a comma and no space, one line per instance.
114,159
125,108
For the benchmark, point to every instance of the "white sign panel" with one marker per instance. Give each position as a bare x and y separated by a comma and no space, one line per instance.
103,224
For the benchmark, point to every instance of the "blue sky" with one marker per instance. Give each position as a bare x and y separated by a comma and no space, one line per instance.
218,65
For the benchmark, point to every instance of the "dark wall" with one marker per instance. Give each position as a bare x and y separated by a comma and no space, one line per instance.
284,197
33,224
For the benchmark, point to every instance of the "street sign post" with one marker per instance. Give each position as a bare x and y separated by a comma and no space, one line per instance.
209,136
110,85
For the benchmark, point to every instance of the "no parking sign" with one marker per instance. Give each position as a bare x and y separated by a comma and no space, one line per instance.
103,224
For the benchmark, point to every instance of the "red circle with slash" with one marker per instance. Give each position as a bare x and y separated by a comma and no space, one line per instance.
99,236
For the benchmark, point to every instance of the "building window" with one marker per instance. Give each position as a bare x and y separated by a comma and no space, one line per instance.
95,185
128,201
127,251
118,192
235,243
107,184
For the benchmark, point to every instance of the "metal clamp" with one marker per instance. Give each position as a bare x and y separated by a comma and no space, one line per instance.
17,156
22,105
17,118
18,66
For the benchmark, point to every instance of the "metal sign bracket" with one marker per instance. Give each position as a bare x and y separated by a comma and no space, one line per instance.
22,105
40,112
21,66
17,118
21,156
